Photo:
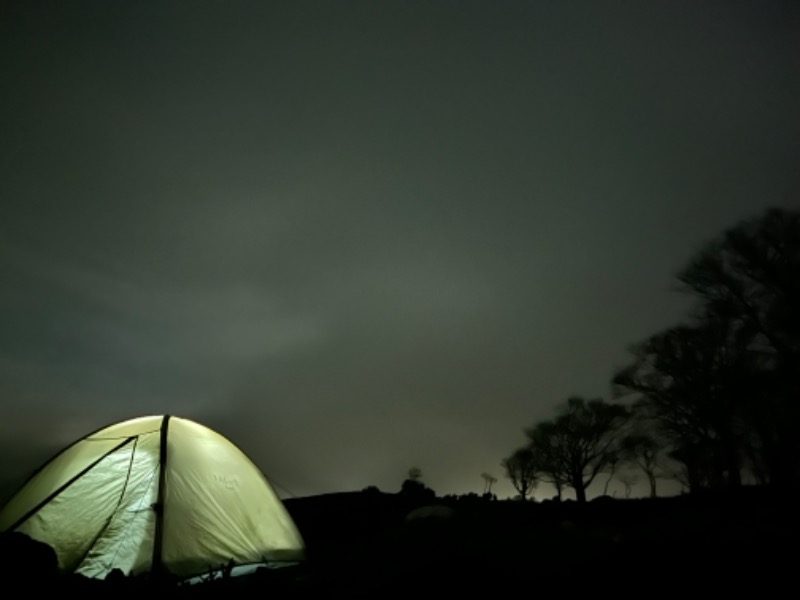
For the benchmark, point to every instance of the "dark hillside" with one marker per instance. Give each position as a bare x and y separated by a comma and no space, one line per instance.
365,542
371,544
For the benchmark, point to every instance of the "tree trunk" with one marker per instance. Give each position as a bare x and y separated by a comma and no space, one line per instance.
733,463
580,490
610,477
651,477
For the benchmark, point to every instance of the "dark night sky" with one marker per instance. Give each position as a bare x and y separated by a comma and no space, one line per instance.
357,237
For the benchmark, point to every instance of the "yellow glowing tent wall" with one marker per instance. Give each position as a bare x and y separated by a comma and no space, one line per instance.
156,493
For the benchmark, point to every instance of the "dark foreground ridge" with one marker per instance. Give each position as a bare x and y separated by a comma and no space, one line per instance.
372,544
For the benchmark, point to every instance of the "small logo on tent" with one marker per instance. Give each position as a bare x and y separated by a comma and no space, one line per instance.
227,481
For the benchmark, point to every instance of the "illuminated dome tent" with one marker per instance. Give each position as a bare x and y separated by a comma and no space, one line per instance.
154,494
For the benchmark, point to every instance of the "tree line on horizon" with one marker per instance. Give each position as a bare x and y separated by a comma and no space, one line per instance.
713,401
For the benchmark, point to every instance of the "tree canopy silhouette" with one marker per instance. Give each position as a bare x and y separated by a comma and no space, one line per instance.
723,388
643,450
522,470
579,443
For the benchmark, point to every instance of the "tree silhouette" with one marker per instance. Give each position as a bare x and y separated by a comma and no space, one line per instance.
642,450
414,489
488,482
698,465
415,473
685,376
522,470
753,271
628,480
579,443
722,389
611,468
751,275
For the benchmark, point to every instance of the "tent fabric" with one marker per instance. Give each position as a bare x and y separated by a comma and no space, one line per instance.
163,489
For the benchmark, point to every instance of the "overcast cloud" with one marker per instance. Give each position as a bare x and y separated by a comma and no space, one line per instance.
360,237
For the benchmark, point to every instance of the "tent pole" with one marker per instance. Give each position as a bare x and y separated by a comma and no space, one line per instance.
72,480
158,564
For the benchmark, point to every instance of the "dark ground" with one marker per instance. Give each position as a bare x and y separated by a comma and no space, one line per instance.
362,545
